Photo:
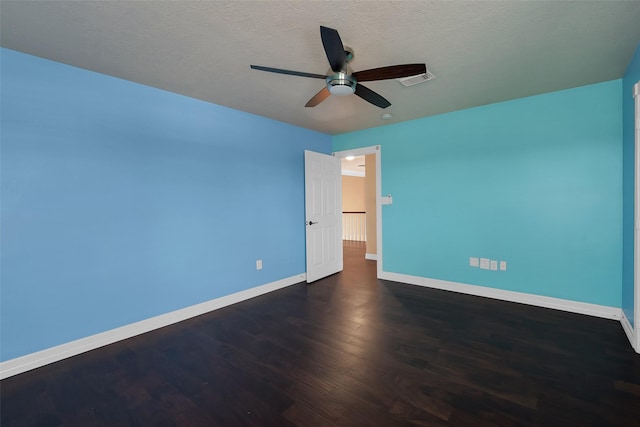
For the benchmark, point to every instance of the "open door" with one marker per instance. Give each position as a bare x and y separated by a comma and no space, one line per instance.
323,211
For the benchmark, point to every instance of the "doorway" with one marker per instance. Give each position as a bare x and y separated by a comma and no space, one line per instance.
372,153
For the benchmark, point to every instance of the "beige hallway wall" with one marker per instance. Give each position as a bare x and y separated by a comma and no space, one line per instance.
370,201
353,193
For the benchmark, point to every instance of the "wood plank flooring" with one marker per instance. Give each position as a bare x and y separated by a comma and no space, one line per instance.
348,350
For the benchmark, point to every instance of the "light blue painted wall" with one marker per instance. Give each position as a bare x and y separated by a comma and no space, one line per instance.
534,181
631,77
121,202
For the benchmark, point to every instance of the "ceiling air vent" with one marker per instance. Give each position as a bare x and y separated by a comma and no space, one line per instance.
414,80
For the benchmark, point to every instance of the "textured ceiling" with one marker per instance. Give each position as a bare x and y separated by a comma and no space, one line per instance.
480,51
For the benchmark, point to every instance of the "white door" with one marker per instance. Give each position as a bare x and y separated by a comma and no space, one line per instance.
323,210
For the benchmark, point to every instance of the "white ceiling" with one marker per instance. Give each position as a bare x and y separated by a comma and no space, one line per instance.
480,51
354,167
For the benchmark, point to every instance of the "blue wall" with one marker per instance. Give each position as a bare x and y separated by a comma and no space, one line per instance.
631,77
534,181
121,202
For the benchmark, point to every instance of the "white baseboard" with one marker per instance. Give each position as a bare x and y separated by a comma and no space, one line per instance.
373,257
626,325
44,357
596,310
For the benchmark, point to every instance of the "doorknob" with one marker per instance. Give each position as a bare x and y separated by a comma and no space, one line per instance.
311,222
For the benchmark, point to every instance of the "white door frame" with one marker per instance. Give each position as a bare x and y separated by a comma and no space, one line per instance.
374,149
636,245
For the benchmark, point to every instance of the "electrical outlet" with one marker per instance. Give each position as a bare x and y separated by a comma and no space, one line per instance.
485,263
503,265
259,264
474,262
494,265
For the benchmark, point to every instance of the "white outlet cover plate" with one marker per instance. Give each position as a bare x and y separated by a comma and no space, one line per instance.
494,265
485,263
503,265
474,262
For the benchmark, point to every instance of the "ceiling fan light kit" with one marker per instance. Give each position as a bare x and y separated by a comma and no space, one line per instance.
340,82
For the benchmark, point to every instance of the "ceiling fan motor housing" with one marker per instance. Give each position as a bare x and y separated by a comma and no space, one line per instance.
341,84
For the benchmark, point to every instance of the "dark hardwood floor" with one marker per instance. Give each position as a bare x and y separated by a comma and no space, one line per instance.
348,350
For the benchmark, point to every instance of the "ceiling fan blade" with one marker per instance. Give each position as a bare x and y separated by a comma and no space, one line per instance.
391,72
334,48
318,97
371,96
289,72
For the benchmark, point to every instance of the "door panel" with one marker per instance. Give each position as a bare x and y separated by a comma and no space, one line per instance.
323,210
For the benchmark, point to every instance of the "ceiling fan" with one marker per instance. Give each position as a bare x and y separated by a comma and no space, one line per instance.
340,81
